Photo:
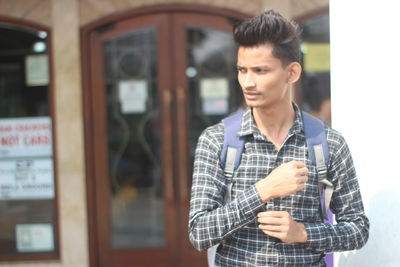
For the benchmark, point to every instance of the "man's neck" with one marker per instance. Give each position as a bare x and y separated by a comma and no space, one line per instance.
275,122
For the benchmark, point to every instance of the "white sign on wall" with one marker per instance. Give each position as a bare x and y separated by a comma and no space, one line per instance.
26,179
34,237
25,137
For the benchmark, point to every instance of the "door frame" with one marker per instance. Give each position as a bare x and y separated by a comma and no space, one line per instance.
88,94
102,195
51,93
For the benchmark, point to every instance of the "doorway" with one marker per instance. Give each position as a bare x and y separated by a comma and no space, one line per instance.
154,80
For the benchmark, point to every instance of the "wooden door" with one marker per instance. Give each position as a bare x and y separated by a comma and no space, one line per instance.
155,81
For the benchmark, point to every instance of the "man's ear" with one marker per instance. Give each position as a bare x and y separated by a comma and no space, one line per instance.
294,72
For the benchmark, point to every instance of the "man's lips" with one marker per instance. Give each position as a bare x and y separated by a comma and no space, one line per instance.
251,94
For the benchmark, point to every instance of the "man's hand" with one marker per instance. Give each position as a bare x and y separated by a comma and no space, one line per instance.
285,180
279,224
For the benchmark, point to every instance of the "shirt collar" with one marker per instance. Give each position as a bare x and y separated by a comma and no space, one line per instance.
249,126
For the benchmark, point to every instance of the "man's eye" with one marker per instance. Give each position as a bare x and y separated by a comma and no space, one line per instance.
260,70
240,69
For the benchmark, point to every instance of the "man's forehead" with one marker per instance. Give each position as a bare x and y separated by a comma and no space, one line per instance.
256,55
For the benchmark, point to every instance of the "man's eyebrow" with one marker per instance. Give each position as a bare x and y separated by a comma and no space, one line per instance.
260,66
253,67
256,65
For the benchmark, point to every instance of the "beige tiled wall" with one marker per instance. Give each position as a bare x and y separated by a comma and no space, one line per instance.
38,11
295,8
69,118
301,8
91,10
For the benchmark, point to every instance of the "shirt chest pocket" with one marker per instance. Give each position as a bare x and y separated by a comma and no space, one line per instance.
305,204
254,166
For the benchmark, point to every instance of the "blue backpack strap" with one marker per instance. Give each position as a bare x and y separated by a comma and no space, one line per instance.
314,130
232,149
318,152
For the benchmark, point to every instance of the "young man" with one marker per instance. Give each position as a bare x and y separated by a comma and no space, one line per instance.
274,217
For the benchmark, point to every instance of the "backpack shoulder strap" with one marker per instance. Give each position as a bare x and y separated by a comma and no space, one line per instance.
318,152
232,149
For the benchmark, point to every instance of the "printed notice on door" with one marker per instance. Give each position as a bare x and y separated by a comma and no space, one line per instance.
26,179
34,237
37,70
25,137
214,93
132,96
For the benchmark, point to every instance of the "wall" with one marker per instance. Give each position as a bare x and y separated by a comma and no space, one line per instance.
91,10
295,8
365,101
38,11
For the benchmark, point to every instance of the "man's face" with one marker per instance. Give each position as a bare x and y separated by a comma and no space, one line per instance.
263,78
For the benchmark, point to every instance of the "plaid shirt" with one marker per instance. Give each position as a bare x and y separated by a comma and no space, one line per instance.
234,225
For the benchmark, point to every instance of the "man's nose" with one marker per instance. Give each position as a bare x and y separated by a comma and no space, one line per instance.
249,81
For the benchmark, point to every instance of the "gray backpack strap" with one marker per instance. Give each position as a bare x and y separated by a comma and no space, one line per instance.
325,186
232,150
231,153
318,151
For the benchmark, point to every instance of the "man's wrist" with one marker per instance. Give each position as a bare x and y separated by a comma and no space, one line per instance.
302,233
264,195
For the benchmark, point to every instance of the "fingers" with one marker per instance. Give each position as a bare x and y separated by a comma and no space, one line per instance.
275,234
302,171
298,164
272,213
271,228
302,179
275,223
273,217
302,174
269,220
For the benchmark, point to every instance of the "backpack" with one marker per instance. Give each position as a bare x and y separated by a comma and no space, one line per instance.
318,153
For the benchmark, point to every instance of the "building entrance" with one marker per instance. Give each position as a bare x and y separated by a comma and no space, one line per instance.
153,82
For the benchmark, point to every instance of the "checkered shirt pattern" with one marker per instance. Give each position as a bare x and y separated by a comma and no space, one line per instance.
234,225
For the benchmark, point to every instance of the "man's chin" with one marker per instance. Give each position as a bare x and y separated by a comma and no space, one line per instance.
253,104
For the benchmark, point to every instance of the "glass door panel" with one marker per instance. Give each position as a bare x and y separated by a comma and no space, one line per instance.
206,90
133,127
213,90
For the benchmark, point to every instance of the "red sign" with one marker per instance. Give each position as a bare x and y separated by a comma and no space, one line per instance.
25,137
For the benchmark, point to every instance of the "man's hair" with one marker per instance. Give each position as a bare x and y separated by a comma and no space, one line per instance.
270,27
